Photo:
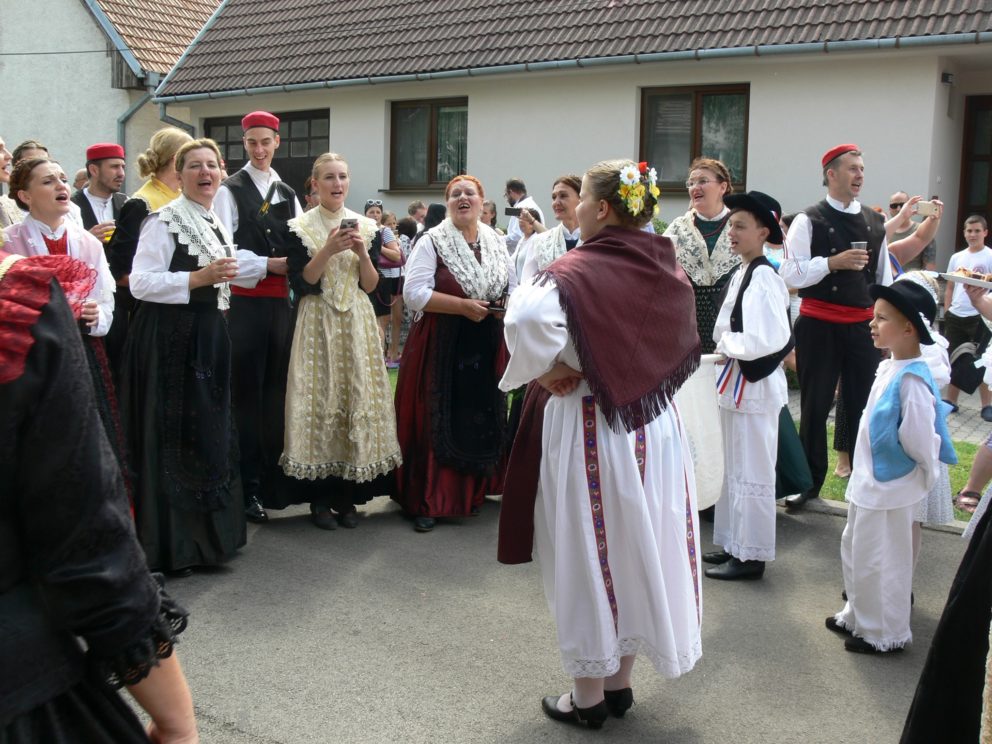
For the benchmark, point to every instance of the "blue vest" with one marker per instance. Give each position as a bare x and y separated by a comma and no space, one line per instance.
889,459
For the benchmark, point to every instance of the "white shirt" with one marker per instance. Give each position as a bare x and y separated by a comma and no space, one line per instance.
151,279
513,232
980,261
917,436
227,209
420,270
102,208
799,269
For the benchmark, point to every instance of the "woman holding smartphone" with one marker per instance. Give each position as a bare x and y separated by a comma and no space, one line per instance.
340,423
451,416
176,378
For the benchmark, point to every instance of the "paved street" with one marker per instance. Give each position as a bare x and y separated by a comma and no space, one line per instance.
380,634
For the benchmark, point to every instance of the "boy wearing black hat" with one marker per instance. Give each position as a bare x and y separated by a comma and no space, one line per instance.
902,436
752,330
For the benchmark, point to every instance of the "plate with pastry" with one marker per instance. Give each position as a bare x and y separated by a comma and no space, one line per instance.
966,276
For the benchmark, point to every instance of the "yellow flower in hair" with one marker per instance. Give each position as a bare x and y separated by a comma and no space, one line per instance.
655,191
635,205
629,175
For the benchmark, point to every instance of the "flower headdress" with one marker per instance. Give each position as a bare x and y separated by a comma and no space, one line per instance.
636,181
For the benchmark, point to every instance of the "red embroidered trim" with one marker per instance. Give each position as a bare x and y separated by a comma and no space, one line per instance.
640,451
690,534
24,291
596,498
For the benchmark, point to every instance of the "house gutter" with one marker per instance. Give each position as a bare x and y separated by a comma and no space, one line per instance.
824,47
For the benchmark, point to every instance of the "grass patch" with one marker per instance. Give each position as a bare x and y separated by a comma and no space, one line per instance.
834,487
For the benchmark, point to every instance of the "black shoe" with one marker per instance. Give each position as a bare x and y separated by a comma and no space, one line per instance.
592,717
734,569
423,524
861,646
348,520
323,518
799,500
836,627
618,702
717,557
254,511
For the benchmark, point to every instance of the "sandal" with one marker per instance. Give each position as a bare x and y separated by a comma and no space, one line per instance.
968,501
954,406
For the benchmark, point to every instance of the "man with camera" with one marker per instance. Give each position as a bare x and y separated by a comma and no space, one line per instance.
834,250
516,196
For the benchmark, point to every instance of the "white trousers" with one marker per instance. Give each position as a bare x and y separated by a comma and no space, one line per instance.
744,520
876,551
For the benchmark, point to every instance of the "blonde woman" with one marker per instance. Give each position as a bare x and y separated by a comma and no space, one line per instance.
340,425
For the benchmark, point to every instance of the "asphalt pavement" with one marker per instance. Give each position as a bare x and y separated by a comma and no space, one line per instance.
380,634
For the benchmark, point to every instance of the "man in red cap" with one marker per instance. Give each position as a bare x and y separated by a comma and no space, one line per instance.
833,252
255,205
100,201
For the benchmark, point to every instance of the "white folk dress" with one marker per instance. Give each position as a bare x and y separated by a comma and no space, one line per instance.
615,518
744,522
340,419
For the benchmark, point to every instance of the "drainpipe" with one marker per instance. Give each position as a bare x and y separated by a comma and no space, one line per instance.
173,121
124,118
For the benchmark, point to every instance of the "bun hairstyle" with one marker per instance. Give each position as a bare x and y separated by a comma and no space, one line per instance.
604,182
164,145
715,167
20,177
327,157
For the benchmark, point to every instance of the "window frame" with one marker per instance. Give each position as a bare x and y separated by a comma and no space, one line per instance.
434,104
697,91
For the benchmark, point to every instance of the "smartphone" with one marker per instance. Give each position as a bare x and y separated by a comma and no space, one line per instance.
926,209
349,223
512,211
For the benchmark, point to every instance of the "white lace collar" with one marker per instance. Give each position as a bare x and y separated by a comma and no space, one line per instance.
481,281
191,223
44,230
551,245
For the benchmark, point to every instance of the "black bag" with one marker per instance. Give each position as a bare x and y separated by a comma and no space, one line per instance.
792,473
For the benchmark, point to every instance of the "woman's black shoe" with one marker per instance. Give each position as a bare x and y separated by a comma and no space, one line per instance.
323,518
592,717
423,524
348,520
619,702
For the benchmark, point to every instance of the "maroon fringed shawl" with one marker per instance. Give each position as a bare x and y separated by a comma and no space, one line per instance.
631,314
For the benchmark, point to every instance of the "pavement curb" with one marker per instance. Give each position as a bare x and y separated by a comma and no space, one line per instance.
839,509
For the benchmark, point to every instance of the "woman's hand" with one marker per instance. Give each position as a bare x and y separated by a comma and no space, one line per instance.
216,272
339,241
475,310
90,313
560,379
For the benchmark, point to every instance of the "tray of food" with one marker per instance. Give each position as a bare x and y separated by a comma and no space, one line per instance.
966,276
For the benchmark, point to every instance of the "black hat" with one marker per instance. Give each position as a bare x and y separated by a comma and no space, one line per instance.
767,211
911,300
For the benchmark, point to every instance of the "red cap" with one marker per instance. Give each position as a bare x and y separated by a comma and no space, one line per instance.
260,119
104,150
836,152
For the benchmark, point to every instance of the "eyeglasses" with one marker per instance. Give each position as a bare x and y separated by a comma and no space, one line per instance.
897,205
700,182
373,203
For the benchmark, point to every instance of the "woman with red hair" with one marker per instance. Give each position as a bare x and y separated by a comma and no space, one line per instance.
451,416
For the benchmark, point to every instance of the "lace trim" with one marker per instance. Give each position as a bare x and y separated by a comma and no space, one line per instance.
550,246
485,281
664,664
136,661
198,239
345,470
703,268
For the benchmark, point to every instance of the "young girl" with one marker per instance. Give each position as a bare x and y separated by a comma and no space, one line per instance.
902,435
752,331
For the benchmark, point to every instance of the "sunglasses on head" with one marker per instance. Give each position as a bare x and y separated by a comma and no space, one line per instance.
373,203
897,205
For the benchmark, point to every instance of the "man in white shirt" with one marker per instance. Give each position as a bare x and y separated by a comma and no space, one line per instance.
255,205
100,201
834,251
516,196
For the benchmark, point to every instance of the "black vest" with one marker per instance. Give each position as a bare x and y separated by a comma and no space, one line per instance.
86,209
760,368
263,234
833,233
201,297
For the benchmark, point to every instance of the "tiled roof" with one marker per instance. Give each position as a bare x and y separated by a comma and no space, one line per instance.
258,43
158,31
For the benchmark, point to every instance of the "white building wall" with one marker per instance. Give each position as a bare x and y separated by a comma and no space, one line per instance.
538,125
64,100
